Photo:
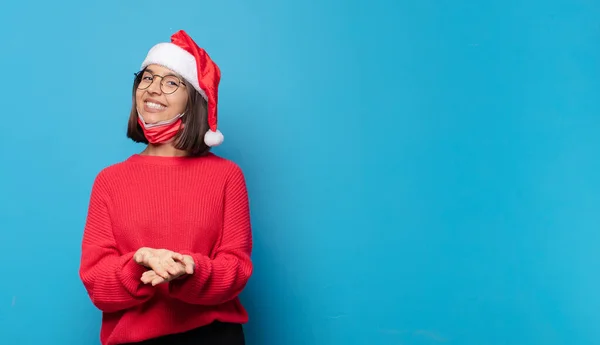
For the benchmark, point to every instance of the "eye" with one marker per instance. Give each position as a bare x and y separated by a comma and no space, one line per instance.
147,76
171,81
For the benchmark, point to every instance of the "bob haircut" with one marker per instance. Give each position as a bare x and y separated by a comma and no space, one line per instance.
190,137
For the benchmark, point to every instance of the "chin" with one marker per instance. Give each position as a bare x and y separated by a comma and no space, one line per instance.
151,118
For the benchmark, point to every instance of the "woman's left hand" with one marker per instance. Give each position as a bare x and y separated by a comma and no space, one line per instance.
187,267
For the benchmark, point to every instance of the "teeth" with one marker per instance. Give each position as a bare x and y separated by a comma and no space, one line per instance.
155,105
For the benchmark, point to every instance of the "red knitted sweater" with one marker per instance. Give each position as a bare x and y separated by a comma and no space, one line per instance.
196,206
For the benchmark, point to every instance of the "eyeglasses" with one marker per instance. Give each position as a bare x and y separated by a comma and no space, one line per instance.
168,83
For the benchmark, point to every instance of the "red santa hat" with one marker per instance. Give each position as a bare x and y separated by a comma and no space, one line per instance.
183,56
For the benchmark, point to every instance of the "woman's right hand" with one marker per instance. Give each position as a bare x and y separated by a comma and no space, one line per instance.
187,267
162,261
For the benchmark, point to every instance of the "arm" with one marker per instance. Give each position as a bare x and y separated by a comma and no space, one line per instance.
111,280
221,279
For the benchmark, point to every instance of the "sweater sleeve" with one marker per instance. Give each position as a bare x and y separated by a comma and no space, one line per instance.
112,280
221,278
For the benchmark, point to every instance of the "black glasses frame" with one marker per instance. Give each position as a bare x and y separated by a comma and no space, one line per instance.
139,75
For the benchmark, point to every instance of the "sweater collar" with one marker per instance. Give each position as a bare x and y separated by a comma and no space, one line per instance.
165,160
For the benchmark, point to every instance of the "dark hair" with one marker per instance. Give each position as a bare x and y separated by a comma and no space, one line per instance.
190,137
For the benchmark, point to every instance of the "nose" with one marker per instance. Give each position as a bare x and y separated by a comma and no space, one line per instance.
155,86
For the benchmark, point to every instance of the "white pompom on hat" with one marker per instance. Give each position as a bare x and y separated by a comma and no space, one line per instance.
183,56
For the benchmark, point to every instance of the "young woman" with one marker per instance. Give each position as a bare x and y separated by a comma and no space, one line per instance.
167,241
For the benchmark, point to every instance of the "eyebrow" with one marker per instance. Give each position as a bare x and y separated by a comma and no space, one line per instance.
171,74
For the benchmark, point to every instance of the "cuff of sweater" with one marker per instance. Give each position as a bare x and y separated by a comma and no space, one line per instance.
130,275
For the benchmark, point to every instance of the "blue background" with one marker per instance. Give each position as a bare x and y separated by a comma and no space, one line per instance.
420,172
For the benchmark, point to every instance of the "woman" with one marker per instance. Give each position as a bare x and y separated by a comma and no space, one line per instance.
167,241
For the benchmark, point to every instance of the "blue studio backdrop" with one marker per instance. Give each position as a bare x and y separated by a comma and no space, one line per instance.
420,172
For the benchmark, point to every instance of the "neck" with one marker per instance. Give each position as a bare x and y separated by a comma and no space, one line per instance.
164,150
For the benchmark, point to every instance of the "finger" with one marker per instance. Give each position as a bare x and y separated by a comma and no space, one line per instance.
148,276
138,257
171,269
175,269
168,261
146,257
182,269
161,272
190,265
158,268
141,258
158,280
176,256
177,266
185,265
148,273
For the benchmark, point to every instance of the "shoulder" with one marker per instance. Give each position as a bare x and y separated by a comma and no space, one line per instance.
109,176
226,166
111,172
231,174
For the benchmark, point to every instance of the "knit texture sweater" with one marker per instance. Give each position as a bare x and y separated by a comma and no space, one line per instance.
192,205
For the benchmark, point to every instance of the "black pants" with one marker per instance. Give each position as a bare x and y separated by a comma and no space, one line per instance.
217,333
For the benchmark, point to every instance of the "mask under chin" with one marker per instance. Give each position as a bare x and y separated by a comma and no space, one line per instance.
159,123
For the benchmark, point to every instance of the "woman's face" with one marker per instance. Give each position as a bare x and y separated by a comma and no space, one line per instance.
155,99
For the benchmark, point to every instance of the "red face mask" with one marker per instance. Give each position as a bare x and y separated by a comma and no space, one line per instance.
160,132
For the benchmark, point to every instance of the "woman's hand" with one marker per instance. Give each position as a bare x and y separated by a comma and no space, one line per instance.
187,267
163,262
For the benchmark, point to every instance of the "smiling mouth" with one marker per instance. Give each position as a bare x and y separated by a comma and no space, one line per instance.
153,105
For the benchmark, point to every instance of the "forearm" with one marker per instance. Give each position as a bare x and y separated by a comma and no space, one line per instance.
221,278
214,281
113,282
